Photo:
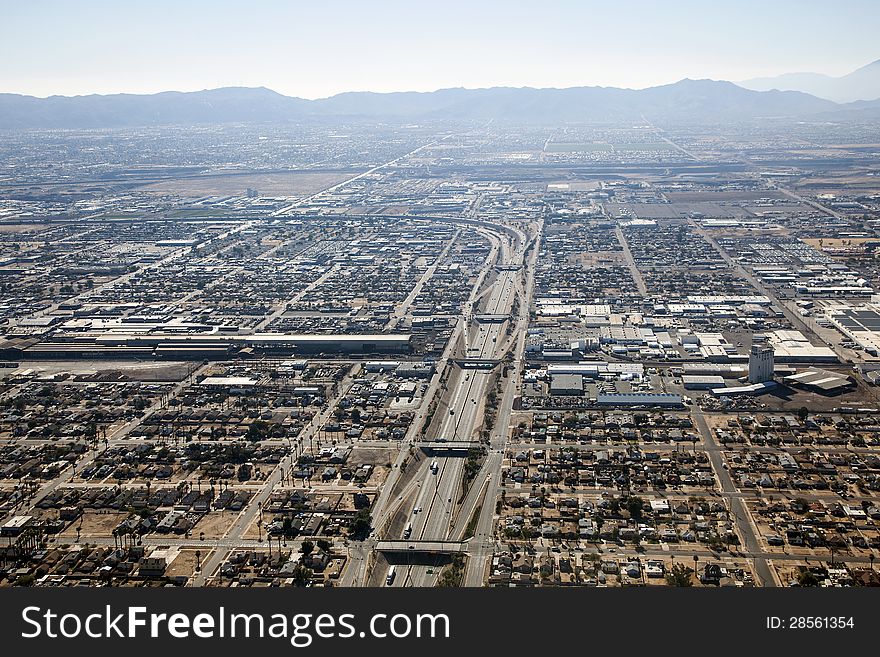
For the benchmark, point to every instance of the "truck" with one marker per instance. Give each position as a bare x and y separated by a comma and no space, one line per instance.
389,579
434,467
408,531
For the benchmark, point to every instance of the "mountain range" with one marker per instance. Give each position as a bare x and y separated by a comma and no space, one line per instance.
861,84
701,101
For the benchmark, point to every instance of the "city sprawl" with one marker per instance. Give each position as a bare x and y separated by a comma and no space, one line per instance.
346,353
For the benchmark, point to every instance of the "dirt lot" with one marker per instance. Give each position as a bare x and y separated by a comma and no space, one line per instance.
95,524
293,183
834,243
185,563
158,372
21,228
376,456
215,524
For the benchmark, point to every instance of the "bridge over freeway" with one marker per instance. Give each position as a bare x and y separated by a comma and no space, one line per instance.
477,363
487,318
447,446
421,547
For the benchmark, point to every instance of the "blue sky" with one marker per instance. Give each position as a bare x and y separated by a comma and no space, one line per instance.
321,47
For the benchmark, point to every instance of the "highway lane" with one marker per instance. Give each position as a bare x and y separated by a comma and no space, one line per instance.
441,485
464,401
482,544
389,500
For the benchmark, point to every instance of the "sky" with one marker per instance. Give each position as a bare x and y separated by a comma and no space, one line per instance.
316,48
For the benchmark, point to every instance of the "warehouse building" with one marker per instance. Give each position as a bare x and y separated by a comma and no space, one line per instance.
204,346
861,324
702,382
567,384
600,370
793,347
821,381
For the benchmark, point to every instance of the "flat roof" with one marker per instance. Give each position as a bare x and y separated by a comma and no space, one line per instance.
228,381
334,337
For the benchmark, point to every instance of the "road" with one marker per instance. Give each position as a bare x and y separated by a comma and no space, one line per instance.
247,516
481,544
434,514
737,506
286,210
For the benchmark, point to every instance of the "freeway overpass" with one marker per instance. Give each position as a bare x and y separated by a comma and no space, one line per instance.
477,363
487,318
447,446
421,547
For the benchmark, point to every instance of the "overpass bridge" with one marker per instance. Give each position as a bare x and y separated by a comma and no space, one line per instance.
421,547
450,447
487,318
477,363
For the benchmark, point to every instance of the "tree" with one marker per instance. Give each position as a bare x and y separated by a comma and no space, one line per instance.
307,548
301,575
807,578
258,430
679,575
360,525
324,545
635,506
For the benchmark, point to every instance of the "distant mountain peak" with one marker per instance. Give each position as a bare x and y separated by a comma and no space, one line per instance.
686,100
861,84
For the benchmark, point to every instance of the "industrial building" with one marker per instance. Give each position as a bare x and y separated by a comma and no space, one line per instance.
821,381
599,370
207,346
761,363
861,324
701,382
793,347
567,384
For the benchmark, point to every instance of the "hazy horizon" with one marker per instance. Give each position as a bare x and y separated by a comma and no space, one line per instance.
315,52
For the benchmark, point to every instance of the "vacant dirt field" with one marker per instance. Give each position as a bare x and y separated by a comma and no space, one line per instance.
291,183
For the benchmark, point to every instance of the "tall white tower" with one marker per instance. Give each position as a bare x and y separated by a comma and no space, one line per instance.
761,364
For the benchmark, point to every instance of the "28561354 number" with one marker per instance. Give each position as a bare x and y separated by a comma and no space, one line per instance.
820,622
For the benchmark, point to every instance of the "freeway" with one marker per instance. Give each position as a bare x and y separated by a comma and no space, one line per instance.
434,511
390,500
434,491
483,502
